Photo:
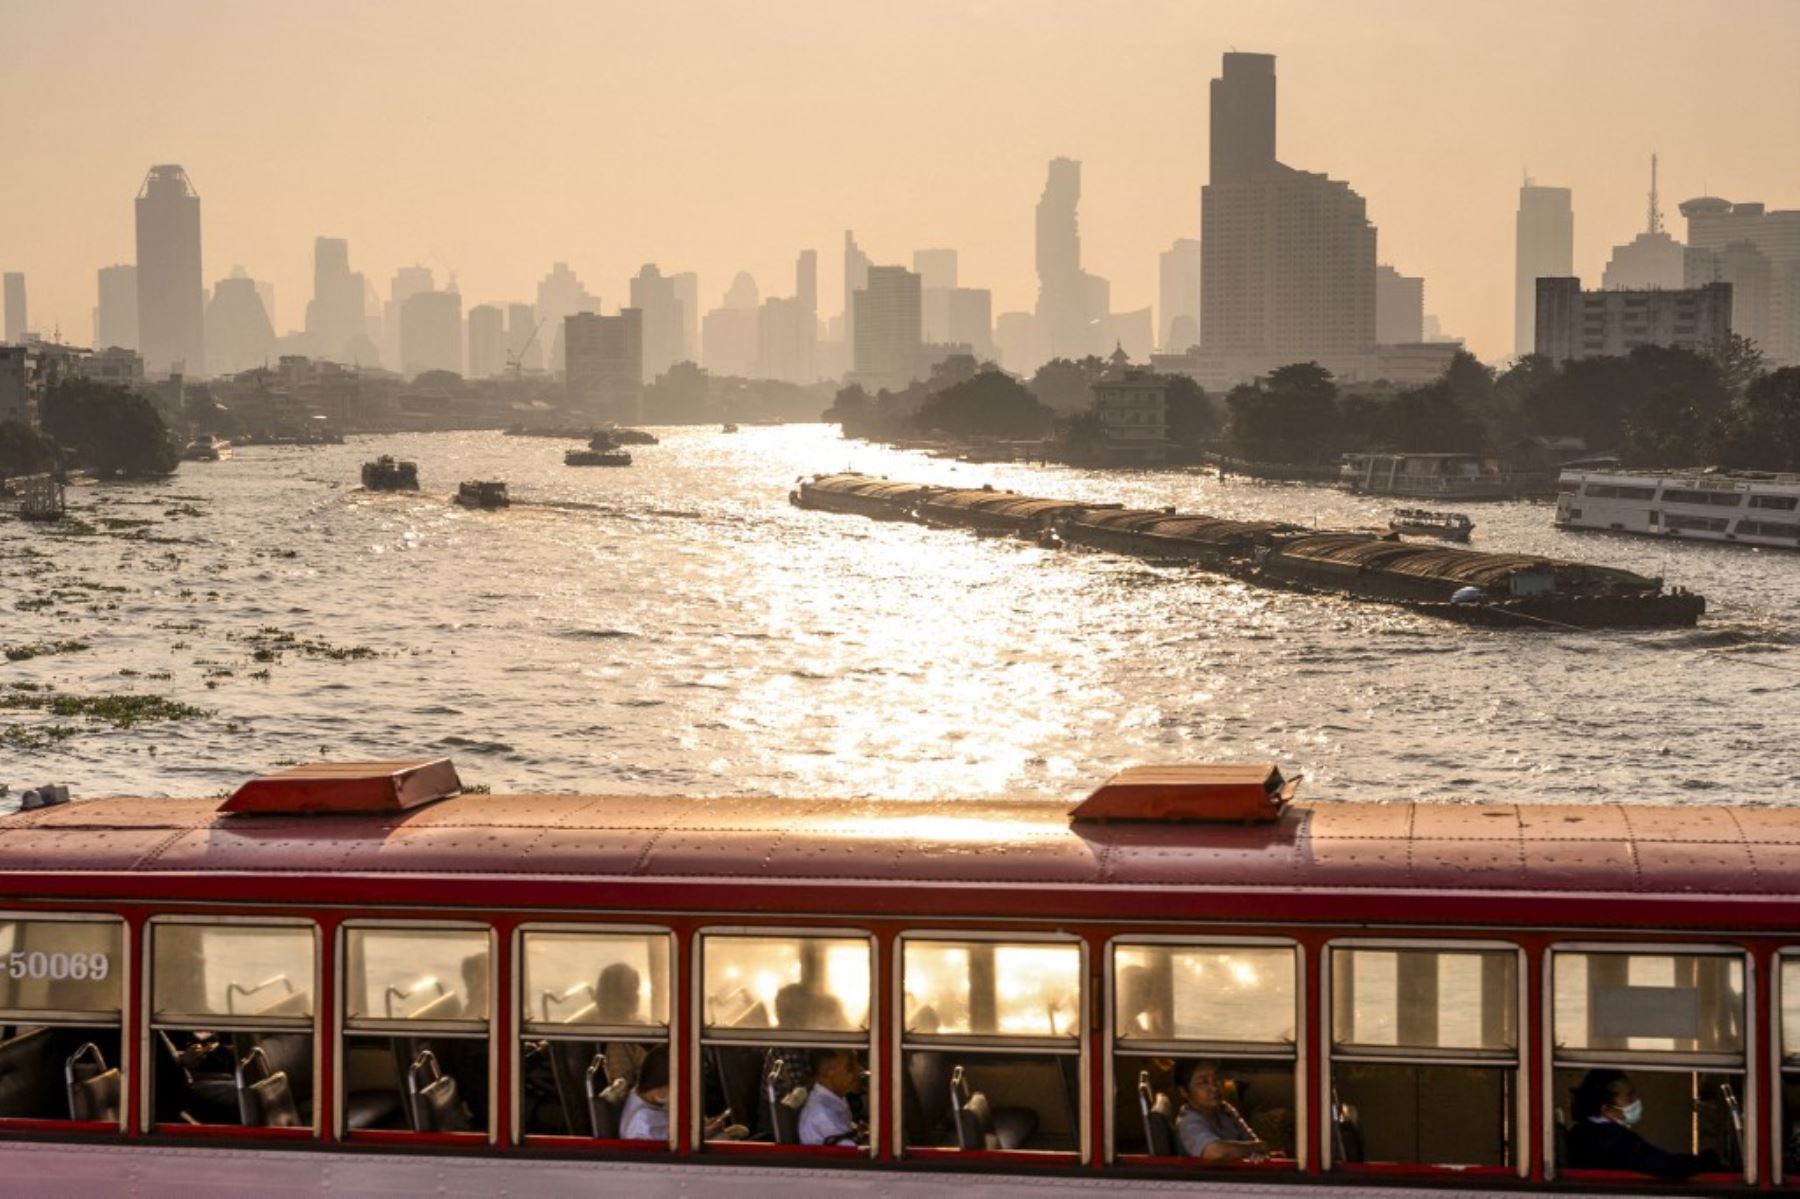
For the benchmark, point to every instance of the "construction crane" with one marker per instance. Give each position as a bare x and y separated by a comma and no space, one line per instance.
516,360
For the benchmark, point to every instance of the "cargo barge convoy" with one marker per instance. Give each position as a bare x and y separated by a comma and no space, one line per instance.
1518,591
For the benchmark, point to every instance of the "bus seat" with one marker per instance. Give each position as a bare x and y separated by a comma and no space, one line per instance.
93,1088
568,1062
927,1077
436,1107
975,1124
371,1109
785,1109
605,1101
27,1073
289,1005
1734,1155
1012,1125
1159,1118
1346,1130
265,1095
1561,1147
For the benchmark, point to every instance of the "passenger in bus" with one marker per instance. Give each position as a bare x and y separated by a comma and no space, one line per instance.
646,1113
1605,1107
799,1006
1208,1127
617,1003
826,1119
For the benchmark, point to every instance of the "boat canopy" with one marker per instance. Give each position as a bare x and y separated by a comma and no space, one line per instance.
1463,567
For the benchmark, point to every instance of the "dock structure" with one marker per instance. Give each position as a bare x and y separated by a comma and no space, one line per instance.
1521,591
33,497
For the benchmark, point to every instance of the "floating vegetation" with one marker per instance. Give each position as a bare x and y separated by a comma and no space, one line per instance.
268,644
125,522
17,736
70,526
42,649
35,603
120,711
183,510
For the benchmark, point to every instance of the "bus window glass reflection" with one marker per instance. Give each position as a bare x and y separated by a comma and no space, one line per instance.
594,1006
785,1028
991,1045
1669,1028
416,1029
62,989
231,1024
1424,1056
1226,1013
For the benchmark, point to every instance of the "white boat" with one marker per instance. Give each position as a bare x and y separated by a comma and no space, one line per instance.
207,448
1746,507
1428,476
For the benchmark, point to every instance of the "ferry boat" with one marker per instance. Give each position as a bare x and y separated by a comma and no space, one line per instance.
1746,507
356,977
206,448
388,473
1423,522
597,457
485,493
1427,476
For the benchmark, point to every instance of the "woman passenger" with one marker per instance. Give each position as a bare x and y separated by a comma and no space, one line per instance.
1208,1127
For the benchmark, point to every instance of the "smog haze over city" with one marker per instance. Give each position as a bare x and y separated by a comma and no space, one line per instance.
489,141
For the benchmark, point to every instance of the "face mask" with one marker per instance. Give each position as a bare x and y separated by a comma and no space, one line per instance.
1632,1112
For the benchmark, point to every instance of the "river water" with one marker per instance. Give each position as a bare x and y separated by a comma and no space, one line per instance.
678,627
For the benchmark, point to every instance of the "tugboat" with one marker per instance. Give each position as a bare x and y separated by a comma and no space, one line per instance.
596,457
387,473
206,448
1423,522
487,493
624,437
728,427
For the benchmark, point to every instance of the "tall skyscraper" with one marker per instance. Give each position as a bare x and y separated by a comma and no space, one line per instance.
935,268
1718,228
1063,300
525,338
560,294
687,290
806,282
730,333
431,336
408,282
334,316
116,313
653,295
16,322
1399,307
889,334
487,341
1178,296
171,301
605,367
239,336
969,319
1544,248
856,277
1650,260
1287,256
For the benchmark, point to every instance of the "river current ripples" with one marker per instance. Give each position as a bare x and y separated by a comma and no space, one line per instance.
678,627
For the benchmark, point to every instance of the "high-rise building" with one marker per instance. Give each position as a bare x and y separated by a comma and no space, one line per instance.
1715,226
335,318
1178,294
969,319
1399,307
889,340
171,295
239,336
1544,247
605,363
408,282
116,315
431,333
524,338
1572,323
687,290
937,276
786,334
1287,256
653,295
16,322
487,341
1652,259
806,282
856,277
1063,301
935,268
560,294
730,333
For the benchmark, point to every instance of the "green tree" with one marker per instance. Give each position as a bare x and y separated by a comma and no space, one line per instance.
1067,385
1739,362
23,450
849,408
992,404
1191,419
679,396
1763,431
1677,410
112,431
1292,417
1432,419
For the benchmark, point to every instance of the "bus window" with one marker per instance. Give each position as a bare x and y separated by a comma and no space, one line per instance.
1425,1065
62,988
1665,1029
231,1024
785,1028
991,1044
1230,1008
416,1029
594,1005
1788,1146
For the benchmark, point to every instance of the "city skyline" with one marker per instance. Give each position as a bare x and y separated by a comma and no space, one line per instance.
706,179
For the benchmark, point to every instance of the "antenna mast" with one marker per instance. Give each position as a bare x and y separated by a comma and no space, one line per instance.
1655,212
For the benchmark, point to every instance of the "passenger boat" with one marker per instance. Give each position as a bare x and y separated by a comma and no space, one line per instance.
487,493
1423,522
1428,476
1745,507
356,977
728,427
596,458
206,448
388,473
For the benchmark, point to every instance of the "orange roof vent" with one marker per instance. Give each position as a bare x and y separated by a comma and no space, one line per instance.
1223,793
327,787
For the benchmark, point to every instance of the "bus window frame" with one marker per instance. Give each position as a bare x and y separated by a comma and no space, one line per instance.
1746,1069
516,993
1521,1060
1296,1047
127,1066
147,1000
1083,1039
698,1040
1777,1066
340,1028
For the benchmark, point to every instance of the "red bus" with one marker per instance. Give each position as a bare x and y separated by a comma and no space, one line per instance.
356,975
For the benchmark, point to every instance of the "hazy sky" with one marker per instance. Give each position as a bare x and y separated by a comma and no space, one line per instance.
493,138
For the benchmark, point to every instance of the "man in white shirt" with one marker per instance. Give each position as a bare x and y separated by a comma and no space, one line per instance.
826,1119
